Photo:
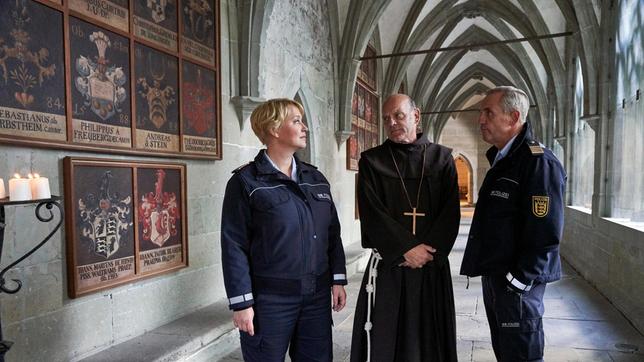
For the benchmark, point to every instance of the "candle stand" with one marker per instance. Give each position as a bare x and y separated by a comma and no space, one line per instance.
42,217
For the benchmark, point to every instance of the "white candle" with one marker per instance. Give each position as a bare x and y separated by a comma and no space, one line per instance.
3,193
39,187
19,189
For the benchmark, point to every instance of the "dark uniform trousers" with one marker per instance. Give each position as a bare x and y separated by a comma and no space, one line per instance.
302,319
515,320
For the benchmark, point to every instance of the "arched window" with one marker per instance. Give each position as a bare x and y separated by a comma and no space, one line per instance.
627,186
557,147
583,156
465,177
365,111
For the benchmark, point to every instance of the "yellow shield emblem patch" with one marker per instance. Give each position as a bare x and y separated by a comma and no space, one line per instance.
540,205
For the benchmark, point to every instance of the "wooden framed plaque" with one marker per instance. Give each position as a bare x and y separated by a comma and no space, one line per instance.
364,124
198,33
107,76
100,95
156,22
200,128
124,220
160,231
32,72
111,12
157,114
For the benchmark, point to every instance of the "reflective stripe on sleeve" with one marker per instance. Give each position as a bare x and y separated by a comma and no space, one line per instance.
240,298
339,276
516,283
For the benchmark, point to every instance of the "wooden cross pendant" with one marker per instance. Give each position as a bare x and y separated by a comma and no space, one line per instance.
413,214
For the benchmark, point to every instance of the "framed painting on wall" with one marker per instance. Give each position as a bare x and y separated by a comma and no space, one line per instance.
100,91
364,124
32,72
156,100
159,218
200,127
110,12
124,220
198,33
156,22
131,77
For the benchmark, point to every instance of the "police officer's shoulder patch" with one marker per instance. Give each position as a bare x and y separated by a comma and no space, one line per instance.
540,205
535,148
242,166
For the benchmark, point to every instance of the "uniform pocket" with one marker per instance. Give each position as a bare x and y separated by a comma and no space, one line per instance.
508,306
254,342
503,194
268,199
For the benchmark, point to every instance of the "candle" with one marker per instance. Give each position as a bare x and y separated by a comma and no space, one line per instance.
3,193
39,187
19,188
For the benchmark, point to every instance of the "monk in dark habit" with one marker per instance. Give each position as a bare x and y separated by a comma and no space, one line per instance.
409,213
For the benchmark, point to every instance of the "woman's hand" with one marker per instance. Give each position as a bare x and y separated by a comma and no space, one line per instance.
243,319
339,297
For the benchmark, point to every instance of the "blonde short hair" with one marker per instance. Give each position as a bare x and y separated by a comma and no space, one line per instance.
270,115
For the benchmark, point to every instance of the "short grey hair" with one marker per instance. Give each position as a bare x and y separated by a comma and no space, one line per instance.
513,99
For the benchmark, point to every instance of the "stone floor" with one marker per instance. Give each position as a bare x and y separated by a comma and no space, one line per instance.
580,324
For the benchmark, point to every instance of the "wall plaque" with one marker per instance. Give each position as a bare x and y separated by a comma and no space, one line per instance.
32,71
110,12
156,21
125,221
74,75
198,40
200,131
157,98
100,95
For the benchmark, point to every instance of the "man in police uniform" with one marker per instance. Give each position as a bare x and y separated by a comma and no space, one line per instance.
518,222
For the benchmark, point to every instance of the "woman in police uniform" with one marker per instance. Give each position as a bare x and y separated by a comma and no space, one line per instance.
282,256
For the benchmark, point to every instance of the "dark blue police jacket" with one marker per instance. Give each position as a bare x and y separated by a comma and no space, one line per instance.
518,220
279,236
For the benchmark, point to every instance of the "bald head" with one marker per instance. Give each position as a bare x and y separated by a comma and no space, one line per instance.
400,118
400,98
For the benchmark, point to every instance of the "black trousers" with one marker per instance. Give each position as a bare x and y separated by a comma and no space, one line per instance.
515,320
299,323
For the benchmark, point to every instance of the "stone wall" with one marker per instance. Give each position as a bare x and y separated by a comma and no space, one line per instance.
609,252
463,137
611,257
47,325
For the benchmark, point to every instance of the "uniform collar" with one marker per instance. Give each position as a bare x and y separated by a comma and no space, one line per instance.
293,166
525,134
265,166
504,151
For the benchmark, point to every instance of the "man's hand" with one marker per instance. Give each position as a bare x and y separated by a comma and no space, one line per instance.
418,256
243,319
339,297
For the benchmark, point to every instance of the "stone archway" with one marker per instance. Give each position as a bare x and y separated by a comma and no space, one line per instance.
465,180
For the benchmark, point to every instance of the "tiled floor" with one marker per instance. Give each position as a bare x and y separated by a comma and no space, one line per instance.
580,324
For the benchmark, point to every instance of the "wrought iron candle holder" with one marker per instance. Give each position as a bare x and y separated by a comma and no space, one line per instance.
42,216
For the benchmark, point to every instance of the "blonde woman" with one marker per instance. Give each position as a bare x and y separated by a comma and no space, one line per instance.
282,256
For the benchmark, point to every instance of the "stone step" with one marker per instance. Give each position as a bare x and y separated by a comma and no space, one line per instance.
194,337
204,335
